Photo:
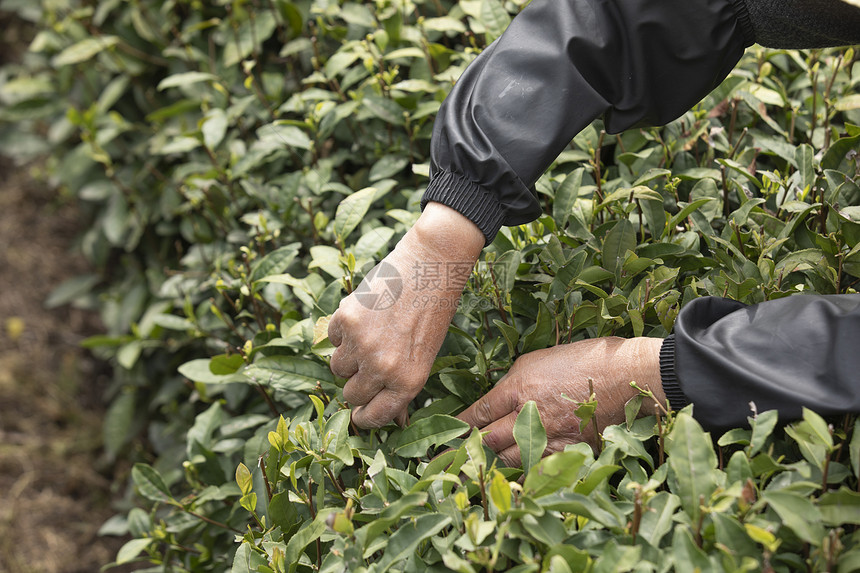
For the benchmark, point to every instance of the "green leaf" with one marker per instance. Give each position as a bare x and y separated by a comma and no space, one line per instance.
337,426
580,504
149,483
500,492
495,18
657,518
798,513
352,210
128,552
684,213
224,365
805,156
818,427
118,422
310,531
214,128
837,155
405,540
554,472
546,529
854,449
618,241
388,166
762,428
840,507
530,435
282,511
279,135
731,533
566,196
199,370
444,24
372,242
84,50
71,289
247,560
692,461
389,516
687,556
243,479
201,432
290,373
274,263
250,35
249,502
428,432
510,334
185,79
542,333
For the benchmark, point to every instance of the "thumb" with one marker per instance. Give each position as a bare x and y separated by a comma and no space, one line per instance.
494,405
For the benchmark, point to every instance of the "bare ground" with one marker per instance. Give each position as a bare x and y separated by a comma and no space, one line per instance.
53,499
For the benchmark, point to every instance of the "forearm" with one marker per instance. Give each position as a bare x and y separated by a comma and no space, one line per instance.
783,354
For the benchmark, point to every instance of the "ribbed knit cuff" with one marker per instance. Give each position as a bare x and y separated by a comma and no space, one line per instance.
745,21
671,387
469,199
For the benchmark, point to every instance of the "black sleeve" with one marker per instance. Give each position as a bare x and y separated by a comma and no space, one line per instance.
804,23
802,350
558,66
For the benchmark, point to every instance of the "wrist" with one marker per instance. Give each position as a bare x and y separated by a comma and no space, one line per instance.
645,354
443,235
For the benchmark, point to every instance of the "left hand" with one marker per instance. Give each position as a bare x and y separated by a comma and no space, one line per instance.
544,375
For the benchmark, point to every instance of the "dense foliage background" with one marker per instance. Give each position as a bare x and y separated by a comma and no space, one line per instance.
245,163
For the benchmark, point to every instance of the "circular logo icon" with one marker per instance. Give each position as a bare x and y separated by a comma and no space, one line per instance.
387,285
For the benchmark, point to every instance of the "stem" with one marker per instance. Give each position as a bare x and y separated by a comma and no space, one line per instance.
698,531
637,513
269,402
501,306
336,484
661,450
738,144
266,478
826,99
212,521
483,493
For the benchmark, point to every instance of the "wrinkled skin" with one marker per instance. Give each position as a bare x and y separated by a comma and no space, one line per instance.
387,353
544,375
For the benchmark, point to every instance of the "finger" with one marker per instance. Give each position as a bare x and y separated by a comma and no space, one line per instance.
335,329
343,363
501,433
358,391
511,457
402,419
379,411
494,405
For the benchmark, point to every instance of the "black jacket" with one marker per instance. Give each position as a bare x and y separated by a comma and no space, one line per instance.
563,63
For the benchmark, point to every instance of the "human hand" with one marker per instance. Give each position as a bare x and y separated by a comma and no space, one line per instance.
544,375
389,330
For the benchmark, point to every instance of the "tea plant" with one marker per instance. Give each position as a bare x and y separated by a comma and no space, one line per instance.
245,164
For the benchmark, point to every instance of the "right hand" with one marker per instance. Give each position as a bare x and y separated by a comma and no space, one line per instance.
386,345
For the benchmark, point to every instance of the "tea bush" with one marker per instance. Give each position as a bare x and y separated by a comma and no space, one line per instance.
243,165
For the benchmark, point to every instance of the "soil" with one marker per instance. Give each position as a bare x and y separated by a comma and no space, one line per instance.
53,498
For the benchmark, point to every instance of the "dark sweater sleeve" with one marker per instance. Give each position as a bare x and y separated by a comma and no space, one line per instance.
785,354
558,66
